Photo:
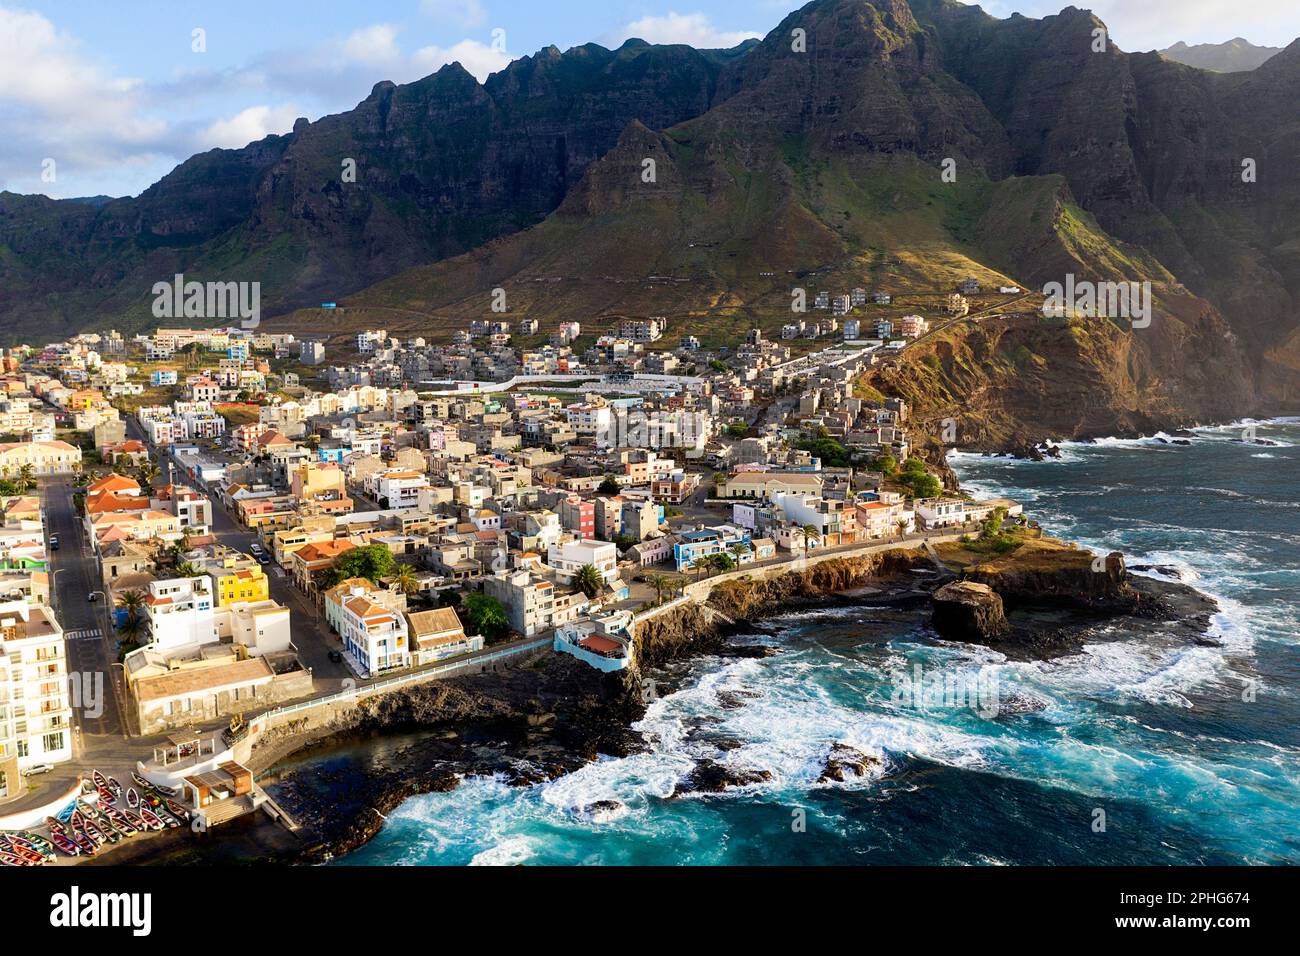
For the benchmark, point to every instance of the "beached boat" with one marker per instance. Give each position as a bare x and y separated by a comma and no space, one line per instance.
26,851
178,811
77,820
151,819
114,786
98,779
56,826
36,840
132,798
105,795
172,821
87,846
41,849
10,859
148,785
135,820
64,845
120,821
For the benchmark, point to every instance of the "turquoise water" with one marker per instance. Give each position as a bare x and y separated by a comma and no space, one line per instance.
1137,750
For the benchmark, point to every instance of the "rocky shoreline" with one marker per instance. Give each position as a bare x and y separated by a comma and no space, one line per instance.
534,723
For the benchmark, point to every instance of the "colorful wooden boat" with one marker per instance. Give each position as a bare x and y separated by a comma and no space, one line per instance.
87,846
9,859
65,845
17,843
27,853
105,795
132,798
148,785
36,840
78,820
98,779
178,811
115,787
56,826
151,819
120,821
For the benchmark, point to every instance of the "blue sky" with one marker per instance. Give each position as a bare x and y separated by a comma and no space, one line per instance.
115,93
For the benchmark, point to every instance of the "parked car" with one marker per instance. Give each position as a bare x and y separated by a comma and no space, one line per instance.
255,549
38,768
264,558
54,542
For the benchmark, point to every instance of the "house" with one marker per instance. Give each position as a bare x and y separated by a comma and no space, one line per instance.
676,487
180,612
44,457
763,484
35,677
375,637
693,546
438,634
313,558
569,557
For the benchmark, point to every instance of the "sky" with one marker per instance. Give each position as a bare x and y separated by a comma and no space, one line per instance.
105,98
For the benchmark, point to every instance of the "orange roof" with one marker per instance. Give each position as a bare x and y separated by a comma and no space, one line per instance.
113,482
600,644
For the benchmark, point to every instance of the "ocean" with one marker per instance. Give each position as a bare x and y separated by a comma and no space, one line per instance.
1137,750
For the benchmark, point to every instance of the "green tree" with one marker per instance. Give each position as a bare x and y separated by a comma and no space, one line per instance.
609,486
589,580
26,478
484,615
737,429
887,465
407,581
188,570
661,583
371,561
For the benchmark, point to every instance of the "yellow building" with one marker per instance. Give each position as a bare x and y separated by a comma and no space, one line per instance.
45,457
239,581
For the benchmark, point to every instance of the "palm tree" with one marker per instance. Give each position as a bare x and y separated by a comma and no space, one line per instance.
901,525
132,602
804,533
701,564
187,569
407,581
738,551
27,477
589,580
147,472
660,583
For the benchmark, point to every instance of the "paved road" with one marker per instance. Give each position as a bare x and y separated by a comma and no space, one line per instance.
91,641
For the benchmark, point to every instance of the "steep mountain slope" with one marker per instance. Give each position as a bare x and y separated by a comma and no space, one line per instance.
443,164
1234,56
821,171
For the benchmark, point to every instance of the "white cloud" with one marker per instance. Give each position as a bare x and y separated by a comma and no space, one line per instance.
57,102
478,58
464,13
693,29
248,126
373,45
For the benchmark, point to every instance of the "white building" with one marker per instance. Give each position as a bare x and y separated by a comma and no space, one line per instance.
567,558
181,613
35,699
397,489
374,637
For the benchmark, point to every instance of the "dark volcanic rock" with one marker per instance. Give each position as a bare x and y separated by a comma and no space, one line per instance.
712,777
968,611
845,763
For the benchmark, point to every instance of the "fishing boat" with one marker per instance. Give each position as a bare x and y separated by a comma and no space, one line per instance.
150,798
178,811
87,846
105,795
36,840
90,833
114,787
56,826
108,830
99,779
120,821
77,820
135,820
151,819
9,859
27,852
65,845
147,785
171,821
132,798
41,849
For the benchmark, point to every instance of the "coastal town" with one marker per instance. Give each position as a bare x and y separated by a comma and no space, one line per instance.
210,537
